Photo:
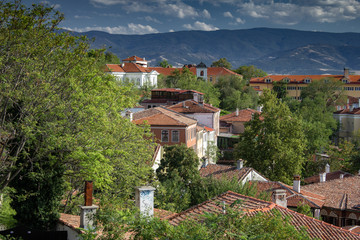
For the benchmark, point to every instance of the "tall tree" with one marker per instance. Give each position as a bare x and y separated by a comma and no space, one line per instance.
222,62
58,109
249,72
164,63
274,143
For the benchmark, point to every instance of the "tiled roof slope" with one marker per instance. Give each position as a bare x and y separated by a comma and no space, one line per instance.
192,106
133,58
72,221
339,193
316,228
219,171
245,115
355,111
126,67
301,78
329,176
211,71
176,90
293,198
161,116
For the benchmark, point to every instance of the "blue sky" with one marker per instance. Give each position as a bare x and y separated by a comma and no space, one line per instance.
155,16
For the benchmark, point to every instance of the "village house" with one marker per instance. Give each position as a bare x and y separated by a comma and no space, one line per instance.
327,176
342,200
134,70
295,83
349,120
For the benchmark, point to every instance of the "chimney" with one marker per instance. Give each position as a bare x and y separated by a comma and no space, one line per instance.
144,200
122,65
205,162
323,177
317,213
346,72
237,111
183,104
129,115
279,197
88,211
327,168
296,185
239,164
341,176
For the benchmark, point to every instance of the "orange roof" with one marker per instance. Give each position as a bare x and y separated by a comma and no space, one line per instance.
302,78
133,58
211,71
161,116
251,206
72,221
245,115
178,90
126,67
191,106
165,71
355,111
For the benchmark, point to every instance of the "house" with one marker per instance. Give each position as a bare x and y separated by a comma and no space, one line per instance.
205,114
169,127
211,74
349,120
295,83
170,96
342,200
135,70
234,123
205,141
251,206
241,173
327,176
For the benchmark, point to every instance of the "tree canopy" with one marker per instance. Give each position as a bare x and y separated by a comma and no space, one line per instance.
222,62
274,143
249,72
59,109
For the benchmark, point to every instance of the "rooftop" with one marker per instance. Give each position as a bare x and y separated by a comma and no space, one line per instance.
302,78
329,176
191,106
244,115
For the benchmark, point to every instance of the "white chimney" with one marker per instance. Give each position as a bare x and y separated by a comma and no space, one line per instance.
88,211
322,177
341,176
237,112
317,213
183,104
327,168
129,115
296,185
239,164
144,200
279,197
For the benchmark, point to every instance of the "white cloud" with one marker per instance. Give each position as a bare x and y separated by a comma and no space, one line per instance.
81,17
200,26
151,19
131,28
228,14
171,30
240,21
54,6
206,14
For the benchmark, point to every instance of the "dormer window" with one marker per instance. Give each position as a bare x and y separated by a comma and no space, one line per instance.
286,80
268,80
202,73
345,80
307,80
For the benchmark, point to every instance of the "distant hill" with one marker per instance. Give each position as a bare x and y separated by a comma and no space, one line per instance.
280,51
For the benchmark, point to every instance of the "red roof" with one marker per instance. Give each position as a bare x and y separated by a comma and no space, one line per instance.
245,115
191,106
126,67
302,78
329,176
355,111
134,58
177,90
251,206
211,71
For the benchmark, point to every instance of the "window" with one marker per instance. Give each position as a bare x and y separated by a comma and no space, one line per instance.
291,88
357,88
138,81
175,136
307,80
345,80
286,80
211,78
165,136
202,73
349,88
268,80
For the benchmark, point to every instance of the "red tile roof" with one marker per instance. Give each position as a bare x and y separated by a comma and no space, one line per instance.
192,106
177,90
219,171
339,193
72,221
355,111
161,116
134,58
165,71
126,67
251,206
211,71
245,115
329,176
301,78
311,198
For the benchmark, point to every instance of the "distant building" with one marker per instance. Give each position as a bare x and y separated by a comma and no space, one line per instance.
295,83
349,120
135,70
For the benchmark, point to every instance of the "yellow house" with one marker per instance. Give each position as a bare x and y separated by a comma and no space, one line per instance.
295,83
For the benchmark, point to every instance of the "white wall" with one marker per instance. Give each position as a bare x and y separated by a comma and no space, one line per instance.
71,233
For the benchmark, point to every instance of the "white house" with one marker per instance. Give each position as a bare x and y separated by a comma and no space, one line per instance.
135,70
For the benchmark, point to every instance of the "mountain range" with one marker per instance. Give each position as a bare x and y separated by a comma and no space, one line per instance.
276,51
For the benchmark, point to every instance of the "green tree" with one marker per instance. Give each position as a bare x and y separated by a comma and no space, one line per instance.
249,72
274,143
164,63
234,93
222,62
280,89
59,109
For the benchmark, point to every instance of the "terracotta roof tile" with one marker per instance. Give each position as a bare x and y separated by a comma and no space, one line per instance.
134,58
337,191
211,71
245,115
161,116
355,111
251,206
126,67
192,106
72,221
301,78
329,176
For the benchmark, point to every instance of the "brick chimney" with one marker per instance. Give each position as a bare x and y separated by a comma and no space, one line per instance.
144,200
346,72
296,183
239,164
279,197
88,211
322,177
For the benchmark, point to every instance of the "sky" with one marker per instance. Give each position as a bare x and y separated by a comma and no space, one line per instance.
160,16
